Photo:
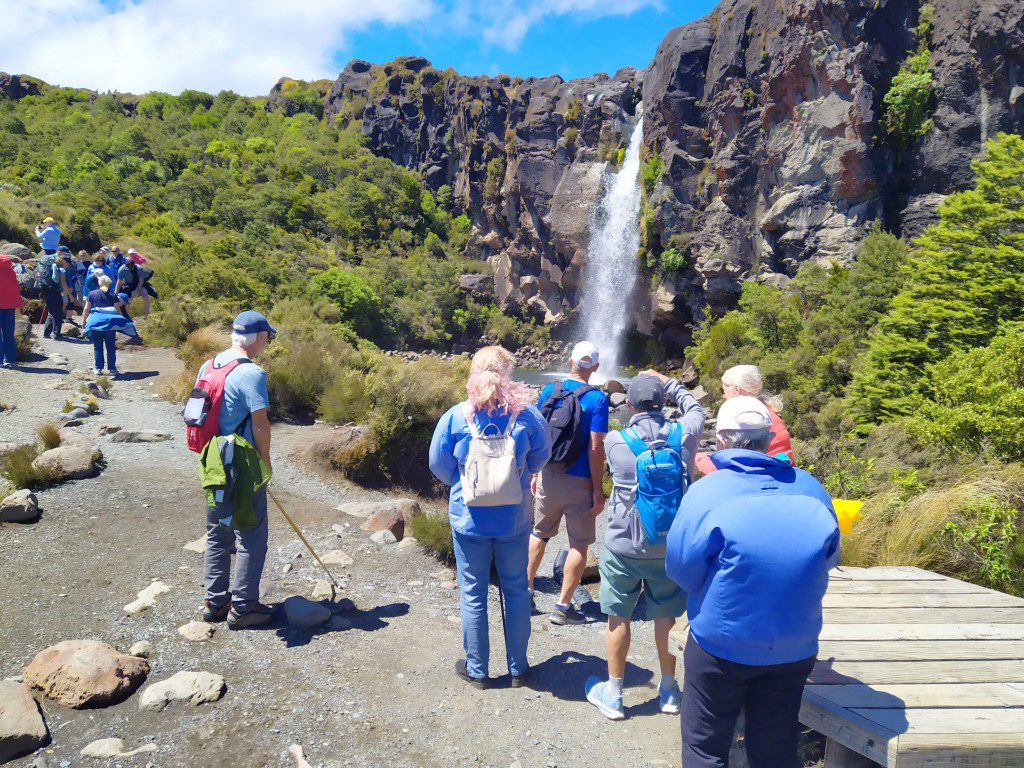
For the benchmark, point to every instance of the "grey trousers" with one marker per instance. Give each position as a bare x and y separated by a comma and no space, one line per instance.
251,554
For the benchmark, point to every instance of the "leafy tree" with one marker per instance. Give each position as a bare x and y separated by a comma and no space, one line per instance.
352,295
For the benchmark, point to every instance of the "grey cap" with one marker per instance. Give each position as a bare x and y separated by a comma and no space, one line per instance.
645,389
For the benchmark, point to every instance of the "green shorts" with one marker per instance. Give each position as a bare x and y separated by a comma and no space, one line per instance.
624,578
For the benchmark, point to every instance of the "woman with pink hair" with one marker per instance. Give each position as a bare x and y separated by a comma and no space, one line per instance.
492,443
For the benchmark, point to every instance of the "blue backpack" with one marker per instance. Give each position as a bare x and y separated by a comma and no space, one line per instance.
661,481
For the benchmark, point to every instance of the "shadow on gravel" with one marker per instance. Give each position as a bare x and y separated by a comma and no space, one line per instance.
137,375
48,371
563,676
365,621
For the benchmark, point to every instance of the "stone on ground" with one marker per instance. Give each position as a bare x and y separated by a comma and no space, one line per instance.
142,436
337,557
616,399
340,623
199,545
19,506
407,507
109,429
146,598
192,688
323,590
305,613
22,728
383,538
143,648
105,748
76,457
409,542
86,673
197,631
395,516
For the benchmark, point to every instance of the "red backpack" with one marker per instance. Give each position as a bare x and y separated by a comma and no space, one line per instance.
202,410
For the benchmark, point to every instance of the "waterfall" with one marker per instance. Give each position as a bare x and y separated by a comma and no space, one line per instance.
610,272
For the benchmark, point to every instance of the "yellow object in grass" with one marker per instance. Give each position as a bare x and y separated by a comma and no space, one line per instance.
847,513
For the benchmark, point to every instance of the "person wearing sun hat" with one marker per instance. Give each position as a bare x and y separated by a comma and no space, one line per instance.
131,279
752,546
49,236
243,411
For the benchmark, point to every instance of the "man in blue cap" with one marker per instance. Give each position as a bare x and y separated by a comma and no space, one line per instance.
243,411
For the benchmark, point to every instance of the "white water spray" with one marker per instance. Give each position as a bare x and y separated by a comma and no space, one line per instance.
610,273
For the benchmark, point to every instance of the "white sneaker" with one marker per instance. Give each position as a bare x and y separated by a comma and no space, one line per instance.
96,371
670,698
597,694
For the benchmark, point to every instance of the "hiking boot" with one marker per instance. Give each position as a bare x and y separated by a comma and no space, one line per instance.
257,614
214,613
96,371
533,604
480,683
670,698
518,681
598,695
563,616
113,372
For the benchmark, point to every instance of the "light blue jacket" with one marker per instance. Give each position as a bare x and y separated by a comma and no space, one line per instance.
49,238
752,546
448,450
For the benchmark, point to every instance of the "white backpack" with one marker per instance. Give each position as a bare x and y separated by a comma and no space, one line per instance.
490,476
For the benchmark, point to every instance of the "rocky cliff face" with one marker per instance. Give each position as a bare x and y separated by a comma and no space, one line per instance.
765,116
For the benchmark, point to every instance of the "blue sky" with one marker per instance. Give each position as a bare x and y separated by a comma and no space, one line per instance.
246,45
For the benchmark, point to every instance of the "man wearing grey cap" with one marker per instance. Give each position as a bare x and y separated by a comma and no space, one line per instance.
630,564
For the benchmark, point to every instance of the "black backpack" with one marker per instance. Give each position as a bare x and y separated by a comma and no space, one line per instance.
44,272
564,414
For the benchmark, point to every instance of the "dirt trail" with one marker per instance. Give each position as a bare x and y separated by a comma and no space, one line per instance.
381,693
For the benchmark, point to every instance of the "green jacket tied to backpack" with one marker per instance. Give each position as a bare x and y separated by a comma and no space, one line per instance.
231,472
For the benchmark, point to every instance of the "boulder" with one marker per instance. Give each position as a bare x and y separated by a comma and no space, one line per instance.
86,673
392,516
613,386
197,631
305,613
143,648
142,436
16,251
616,399
22,728
478,285
76,457
323,590
383,538
192,688
19,506
409,508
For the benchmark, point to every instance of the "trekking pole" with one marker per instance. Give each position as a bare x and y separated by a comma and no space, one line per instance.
302,538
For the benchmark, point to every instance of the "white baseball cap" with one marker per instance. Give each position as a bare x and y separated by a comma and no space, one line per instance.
743,412
585,355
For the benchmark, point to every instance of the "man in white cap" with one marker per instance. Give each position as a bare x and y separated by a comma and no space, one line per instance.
752,546
570,486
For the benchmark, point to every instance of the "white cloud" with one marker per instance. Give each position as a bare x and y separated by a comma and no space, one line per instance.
244,45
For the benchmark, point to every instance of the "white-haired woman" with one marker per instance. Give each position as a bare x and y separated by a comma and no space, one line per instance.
101,320
746,381
500,409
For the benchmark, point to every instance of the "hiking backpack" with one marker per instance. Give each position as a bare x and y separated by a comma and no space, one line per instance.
563,412
490,476
661,480
202,410
44,272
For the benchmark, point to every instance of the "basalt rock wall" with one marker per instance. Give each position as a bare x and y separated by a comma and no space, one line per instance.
765,115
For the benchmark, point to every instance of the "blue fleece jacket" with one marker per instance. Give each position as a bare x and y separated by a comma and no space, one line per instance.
49,238
449,449
752,546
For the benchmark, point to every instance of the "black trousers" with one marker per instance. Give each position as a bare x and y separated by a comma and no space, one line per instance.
54,324
715,691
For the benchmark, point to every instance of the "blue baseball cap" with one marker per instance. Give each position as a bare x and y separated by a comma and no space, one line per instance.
252,321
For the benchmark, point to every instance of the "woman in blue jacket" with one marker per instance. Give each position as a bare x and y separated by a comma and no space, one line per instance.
495,405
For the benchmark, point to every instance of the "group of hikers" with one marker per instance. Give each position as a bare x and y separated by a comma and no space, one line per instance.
744,551
101,286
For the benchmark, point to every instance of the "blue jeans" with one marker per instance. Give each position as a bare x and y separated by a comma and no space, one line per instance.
8,344
101,339
250,556
473,555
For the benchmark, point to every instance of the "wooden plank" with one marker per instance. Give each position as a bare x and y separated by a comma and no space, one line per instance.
932,615
864,736
923,695
906,587
961,750
886,573
948,722
922,631
838,756
920,650
921,600
894,672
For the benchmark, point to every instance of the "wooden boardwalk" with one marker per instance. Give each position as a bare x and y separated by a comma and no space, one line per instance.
917,670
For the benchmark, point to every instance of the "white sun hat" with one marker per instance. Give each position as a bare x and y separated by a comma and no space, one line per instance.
585,355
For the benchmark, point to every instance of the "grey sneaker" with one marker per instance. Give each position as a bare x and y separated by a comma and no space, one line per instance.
563,616
258,613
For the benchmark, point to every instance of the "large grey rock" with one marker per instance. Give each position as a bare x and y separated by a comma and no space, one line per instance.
16,251
76,457
305,613
19,506
22,728
191,688
86,673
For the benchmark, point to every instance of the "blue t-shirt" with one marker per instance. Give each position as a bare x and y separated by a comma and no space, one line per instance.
245,392
595,419
98,298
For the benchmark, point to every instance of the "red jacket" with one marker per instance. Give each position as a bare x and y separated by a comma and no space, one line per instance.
780,444
10,291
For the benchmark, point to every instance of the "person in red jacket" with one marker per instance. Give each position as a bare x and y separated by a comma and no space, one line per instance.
745,380
10,302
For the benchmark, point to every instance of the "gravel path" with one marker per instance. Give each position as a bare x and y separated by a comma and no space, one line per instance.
378,693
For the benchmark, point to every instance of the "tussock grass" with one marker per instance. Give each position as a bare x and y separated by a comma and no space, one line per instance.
92,403
49,435
104,383
198,347
16,467
434,533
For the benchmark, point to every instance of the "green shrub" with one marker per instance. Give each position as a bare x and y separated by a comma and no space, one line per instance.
357,303
671,260
16,467
651,171
908,104
495,178
434,534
